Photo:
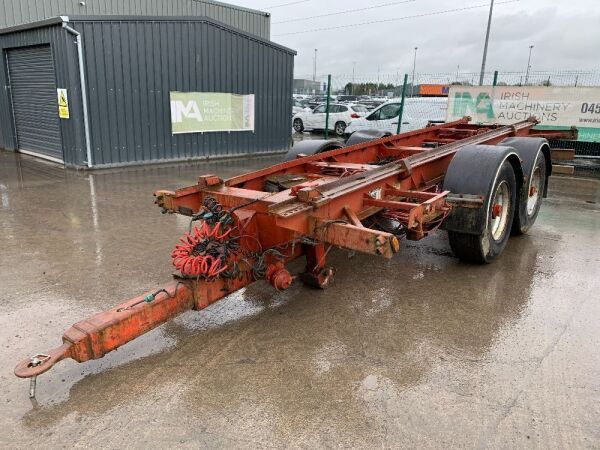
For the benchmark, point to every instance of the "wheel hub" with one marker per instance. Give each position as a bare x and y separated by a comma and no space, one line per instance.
496,210
534,191
499,211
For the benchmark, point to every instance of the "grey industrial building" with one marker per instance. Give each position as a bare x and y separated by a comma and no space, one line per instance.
119,71
18,12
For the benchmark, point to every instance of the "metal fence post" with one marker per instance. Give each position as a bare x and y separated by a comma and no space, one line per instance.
495,82
401,111
327,107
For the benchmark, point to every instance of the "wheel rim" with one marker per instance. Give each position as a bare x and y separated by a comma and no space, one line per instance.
535,187
339,128
297,125
500,210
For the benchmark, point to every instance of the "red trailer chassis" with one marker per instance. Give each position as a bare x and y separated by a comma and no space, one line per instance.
250,226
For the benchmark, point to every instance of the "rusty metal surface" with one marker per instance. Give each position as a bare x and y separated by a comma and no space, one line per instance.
345,178
102,333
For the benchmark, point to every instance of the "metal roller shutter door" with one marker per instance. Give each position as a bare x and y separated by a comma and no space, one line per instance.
35,107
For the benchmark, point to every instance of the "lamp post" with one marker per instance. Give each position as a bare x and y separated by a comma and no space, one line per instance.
412,87
528,65
315,66
485,45
353,72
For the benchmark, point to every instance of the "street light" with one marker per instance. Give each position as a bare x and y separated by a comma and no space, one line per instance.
315,66
353,71
528,65
412,87
485,46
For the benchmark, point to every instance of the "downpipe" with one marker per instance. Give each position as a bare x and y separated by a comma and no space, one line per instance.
86,122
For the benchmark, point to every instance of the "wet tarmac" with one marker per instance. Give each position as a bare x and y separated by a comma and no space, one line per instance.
417,352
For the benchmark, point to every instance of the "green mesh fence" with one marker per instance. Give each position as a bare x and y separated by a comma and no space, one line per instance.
425,102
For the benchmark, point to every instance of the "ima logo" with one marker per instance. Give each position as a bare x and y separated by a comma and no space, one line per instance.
181,110
465,104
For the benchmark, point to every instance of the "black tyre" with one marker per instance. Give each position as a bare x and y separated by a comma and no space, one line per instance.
531,197
340,128
298,125
311,147
485,247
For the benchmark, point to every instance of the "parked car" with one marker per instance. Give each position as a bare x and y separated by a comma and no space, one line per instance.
339,117
417,113
298,106
315,101
371,104
367,105
347,98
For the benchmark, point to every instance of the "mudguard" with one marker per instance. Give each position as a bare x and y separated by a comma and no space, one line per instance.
368,134
473,171
311,147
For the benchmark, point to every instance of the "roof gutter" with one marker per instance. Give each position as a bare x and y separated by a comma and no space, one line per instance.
33,25
236,7
86,122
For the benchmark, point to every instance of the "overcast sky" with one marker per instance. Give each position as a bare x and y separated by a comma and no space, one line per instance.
565,35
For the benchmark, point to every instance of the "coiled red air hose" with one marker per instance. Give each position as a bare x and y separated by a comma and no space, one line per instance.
202,252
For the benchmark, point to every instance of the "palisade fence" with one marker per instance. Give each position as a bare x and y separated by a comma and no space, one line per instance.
418,111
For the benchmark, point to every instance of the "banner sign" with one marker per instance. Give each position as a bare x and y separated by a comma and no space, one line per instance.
202,112
554,107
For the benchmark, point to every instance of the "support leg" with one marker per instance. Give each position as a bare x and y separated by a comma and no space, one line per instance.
316,274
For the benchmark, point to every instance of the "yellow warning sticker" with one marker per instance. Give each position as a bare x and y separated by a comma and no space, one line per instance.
63,103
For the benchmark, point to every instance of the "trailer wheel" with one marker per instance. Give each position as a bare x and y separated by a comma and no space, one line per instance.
535,158
485,247
311,147
529,205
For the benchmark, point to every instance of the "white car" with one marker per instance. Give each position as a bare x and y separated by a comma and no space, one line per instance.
416,114
339,117
298,107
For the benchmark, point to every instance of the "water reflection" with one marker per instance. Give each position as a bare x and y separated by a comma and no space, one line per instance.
358,342
4,196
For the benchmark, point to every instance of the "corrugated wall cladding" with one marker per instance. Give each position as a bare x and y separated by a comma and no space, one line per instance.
16,12
132,66
65,62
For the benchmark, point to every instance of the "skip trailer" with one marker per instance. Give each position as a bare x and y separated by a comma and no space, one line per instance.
479,183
